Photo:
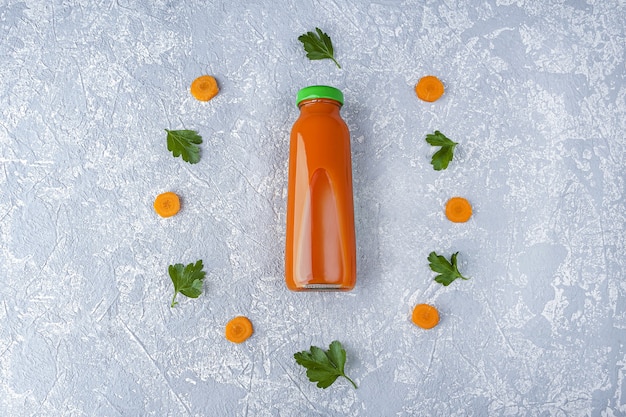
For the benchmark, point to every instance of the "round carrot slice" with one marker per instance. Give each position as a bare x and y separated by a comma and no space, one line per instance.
458,210
425,316
167,204
204,88
239,329
429,88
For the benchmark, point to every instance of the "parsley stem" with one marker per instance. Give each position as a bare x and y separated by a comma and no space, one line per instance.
174,299
336,63
351,381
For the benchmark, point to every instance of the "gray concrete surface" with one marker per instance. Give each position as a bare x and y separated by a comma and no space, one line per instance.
536,98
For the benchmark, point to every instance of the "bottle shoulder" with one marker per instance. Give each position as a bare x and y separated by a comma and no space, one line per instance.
321,120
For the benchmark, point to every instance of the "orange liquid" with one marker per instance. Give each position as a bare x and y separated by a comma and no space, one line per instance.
321,248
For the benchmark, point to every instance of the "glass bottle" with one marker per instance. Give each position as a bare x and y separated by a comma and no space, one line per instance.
320,243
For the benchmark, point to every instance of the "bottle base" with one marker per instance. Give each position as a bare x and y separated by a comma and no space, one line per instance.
321,287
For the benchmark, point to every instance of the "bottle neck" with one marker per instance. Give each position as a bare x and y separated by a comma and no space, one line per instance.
319,105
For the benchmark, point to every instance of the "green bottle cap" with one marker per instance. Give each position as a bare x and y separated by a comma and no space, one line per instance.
319,91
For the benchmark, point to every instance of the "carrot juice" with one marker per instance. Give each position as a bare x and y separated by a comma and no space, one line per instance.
320,251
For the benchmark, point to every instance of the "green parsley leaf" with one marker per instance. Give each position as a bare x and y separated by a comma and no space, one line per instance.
318,46
443,156
324,367
448,271
184,143
187,280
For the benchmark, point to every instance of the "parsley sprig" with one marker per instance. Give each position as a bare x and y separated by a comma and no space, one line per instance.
448,270
187,280
318,46
444,155
324,366
184,143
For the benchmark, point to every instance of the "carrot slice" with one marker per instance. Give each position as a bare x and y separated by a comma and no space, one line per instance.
458,210
238,329
204,88
167,204
429,88
425,316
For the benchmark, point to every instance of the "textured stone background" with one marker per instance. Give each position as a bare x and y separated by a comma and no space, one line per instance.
536,97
